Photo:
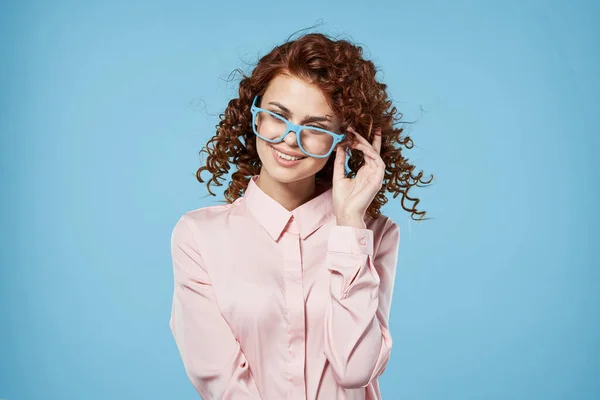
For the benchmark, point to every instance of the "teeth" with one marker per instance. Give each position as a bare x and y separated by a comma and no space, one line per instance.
285,156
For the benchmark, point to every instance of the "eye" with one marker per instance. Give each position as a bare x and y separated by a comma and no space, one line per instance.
318,127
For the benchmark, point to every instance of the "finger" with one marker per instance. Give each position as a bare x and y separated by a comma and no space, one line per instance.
367,150
377,141
358,136
370,155
338,163
365,141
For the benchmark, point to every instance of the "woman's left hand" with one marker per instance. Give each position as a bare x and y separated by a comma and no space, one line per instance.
352,197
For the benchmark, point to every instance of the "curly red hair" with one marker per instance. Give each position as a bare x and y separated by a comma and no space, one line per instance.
348,82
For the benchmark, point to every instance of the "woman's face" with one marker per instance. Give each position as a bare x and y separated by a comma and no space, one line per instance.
302,104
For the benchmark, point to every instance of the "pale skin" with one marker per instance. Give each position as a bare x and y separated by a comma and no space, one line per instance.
292,187
352,197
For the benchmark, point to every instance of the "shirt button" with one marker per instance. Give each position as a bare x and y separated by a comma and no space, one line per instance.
363,241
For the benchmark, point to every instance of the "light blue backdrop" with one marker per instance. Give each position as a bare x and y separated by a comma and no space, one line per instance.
105,105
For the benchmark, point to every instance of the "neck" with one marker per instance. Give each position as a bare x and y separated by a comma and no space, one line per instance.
290,195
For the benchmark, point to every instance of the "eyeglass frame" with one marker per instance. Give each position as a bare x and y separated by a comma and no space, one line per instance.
291,127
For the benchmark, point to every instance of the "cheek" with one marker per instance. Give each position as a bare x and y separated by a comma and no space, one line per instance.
317,164
262,149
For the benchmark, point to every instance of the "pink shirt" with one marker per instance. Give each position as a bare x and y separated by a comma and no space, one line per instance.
273,304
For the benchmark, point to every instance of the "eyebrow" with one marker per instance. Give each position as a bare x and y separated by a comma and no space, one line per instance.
307,119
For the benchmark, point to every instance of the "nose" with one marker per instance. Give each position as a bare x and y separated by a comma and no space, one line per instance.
290,139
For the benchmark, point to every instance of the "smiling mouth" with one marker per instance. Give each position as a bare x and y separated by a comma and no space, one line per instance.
295,159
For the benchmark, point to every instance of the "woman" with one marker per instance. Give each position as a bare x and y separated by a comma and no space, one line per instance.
285,291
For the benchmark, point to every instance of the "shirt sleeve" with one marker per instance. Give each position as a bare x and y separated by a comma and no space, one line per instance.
357,339
212,357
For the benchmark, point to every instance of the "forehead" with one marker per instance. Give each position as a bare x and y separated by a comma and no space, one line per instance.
300,97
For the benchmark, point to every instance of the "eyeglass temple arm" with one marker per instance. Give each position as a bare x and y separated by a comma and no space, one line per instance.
346,166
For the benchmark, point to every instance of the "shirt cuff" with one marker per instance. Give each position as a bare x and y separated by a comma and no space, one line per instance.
351,240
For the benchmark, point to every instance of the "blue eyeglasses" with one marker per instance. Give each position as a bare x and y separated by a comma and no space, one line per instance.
291,127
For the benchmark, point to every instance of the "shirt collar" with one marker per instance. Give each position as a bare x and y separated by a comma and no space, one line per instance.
274,217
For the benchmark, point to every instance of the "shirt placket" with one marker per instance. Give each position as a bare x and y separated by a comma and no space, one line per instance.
294,295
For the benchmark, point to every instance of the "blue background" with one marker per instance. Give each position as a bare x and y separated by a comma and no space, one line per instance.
105,105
